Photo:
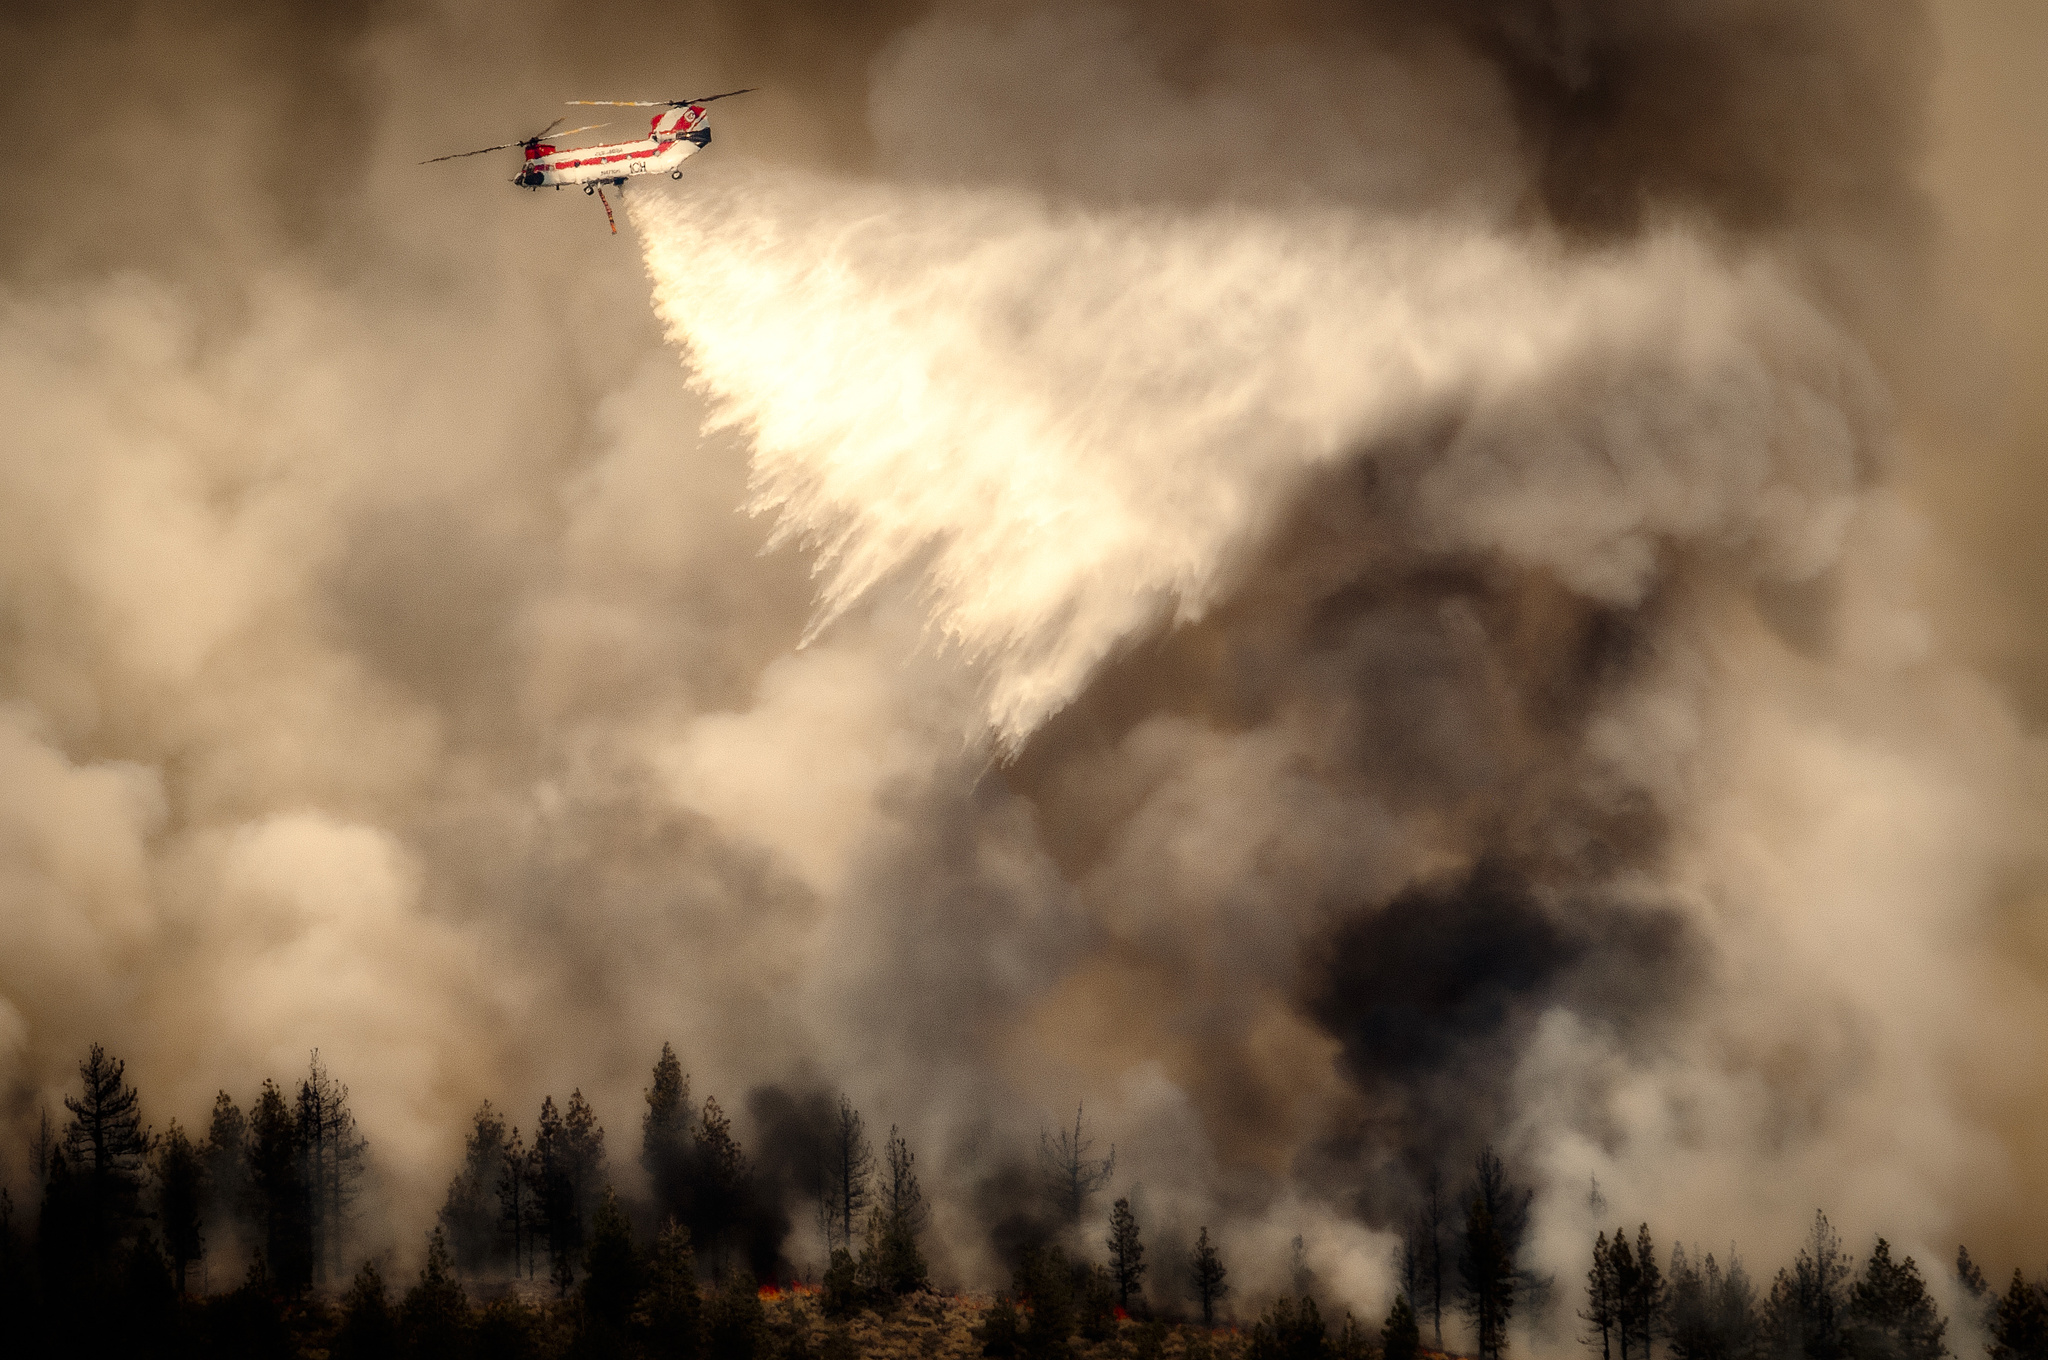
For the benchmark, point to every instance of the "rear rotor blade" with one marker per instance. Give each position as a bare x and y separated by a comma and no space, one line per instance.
587,127
502,146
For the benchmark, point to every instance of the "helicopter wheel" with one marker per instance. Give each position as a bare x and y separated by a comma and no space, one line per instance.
675,174
590,188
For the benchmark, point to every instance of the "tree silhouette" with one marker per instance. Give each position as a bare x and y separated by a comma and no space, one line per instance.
1207,1275
1126,1252
230,1199
1645,1298
1424,1245
1891,1316
1601,1301
1710,1314
470,1212
1289,1330
613,1272
276,1174
548,1183
1496,1218
665,1136
519,1218
1070,1174
435,1316
105,1146
180,1195
1400,1338
1805,1314
2019,1328
673,1306
367,1331
722,1178
332,1151
892,1260
849,1165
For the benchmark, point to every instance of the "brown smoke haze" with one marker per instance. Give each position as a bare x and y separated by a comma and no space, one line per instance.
1342,582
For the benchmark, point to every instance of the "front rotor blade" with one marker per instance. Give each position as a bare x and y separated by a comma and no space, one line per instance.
709,97
587,127
502,146
624,103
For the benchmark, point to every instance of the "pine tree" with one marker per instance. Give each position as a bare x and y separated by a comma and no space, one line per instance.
1400,1338
722,1180
1434,1220
2019,1329
1207,1275
436,1316
673,1305
735,1324
1736,1329
613,1272
1891,1316
1621,1261
470,1214
332,1152
1805,1314
1599,1312
665,1136
1289,1331
180,1196
276,1175
1646,1298
230,1199
849,1165
1070,1174
893,1261
367,1331
551,1184
105,1146
517,1216
583,1141
1486,1276
1126,1253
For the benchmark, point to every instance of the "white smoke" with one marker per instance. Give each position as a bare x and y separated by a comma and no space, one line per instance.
1071,427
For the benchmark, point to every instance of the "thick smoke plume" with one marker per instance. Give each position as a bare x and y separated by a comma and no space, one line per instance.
1336,582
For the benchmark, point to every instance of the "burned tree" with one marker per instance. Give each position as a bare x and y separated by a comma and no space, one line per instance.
1070,1174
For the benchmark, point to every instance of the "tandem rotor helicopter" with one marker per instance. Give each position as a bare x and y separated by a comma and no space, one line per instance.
674,135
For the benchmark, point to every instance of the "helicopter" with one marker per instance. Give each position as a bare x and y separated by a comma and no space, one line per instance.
675,134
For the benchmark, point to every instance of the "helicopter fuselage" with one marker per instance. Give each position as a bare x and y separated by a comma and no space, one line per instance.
675,136
613,163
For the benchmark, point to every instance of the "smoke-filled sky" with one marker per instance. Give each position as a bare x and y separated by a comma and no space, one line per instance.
1340,581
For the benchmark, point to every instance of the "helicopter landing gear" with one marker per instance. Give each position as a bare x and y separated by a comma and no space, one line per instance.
590,188
675,174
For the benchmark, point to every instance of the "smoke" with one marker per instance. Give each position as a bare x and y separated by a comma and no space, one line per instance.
1331,581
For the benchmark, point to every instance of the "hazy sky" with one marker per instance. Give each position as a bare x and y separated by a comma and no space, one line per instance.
1341,581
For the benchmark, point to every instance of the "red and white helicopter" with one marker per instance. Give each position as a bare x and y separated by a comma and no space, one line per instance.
674,135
